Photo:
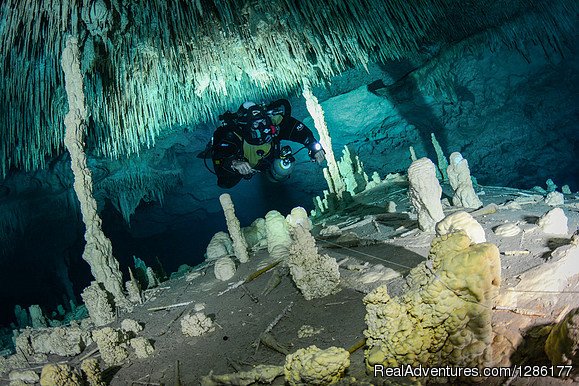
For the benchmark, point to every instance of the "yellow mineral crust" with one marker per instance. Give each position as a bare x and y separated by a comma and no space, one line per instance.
314,366
444,318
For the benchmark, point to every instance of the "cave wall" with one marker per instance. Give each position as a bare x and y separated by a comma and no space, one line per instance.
513,115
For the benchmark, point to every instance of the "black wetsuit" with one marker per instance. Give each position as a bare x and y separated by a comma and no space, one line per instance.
229,144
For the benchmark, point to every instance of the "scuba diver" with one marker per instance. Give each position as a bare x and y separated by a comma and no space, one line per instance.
248,142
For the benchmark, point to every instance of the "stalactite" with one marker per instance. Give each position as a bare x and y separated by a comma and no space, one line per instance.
98,249
183,62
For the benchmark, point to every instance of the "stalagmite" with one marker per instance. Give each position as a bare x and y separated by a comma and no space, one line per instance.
98,250
335,183
352,172
425,193
554,222
277,234
441,159
224,268
239,243
555,199
97,304
36,316
462,221
412,154
299,217
315,275
459,178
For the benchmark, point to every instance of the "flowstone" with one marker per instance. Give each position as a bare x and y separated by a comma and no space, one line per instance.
445,315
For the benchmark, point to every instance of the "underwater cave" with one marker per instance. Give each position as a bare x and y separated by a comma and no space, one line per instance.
109,195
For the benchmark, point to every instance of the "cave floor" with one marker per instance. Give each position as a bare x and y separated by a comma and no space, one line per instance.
369,239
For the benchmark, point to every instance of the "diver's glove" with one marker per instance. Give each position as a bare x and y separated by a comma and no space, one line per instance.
316,152
242,167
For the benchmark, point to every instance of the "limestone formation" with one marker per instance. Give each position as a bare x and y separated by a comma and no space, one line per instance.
461,221
152,279
330,201
331,173
23,344
314,366
25,377
37,317
97,303
554,222
307,331
299,217
60,375
261,374
551,278
461,182
92,372
315,275
134,294
352,172
238,241
256,235
551,186
131,326
197,324
555,199
562,345
441,158
112,344
425,193
445,315
22,318
507,230
219,246
98,250
63,341
278,235
412,154
20,360
377,273
142,346
224,268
